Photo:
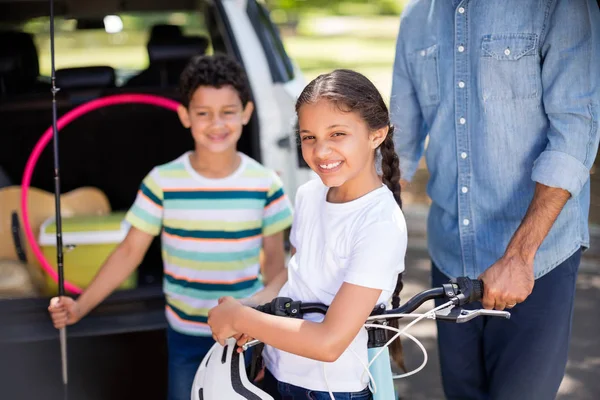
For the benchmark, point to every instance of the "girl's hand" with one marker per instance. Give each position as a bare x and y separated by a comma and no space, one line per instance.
221,318
242,339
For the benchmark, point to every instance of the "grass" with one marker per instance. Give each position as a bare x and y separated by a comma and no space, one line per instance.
366,45
315,56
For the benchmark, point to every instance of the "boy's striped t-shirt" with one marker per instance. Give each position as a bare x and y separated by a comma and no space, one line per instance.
211,233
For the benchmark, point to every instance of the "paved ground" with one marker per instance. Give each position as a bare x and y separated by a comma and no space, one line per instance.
581,381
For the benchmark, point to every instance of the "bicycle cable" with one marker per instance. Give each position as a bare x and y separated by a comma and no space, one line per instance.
400,332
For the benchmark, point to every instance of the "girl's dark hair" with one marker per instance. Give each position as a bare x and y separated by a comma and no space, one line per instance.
351,91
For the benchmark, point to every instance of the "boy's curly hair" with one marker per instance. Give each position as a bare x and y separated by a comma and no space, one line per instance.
214,71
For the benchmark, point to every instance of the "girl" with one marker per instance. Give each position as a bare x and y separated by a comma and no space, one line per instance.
349,241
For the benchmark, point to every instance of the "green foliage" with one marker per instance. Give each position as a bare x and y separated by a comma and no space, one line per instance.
337,7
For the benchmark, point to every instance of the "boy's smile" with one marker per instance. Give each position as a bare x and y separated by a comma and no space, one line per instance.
218,137
216,118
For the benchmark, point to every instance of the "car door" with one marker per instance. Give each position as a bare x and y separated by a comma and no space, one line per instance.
276,83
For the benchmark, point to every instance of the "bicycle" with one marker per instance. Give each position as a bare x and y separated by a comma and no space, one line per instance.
230,366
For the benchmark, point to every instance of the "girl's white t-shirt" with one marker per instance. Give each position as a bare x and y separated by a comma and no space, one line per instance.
362,242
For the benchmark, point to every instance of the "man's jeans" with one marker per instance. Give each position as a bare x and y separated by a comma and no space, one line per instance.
520,358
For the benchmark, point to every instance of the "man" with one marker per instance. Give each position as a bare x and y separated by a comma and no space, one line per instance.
509,94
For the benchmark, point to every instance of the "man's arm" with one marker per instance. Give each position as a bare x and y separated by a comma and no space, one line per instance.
571,96
405,114
547,203
510,280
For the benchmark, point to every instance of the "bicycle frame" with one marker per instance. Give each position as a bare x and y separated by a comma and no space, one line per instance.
457,292
381,371
379,355
463,292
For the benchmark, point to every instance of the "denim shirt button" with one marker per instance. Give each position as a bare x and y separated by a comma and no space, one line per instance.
461,84
461,49
507,52
464,189
461,10
466,222
462,121
463,155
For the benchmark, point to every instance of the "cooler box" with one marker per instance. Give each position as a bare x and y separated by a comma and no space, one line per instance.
87,243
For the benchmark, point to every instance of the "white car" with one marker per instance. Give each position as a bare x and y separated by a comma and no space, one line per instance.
99,45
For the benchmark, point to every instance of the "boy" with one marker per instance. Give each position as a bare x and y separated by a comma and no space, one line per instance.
215,208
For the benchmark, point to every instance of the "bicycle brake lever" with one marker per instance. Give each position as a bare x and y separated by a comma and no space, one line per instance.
459,315
467,315
251,343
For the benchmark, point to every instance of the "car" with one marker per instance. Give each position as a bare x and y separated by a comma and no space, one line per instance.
118,351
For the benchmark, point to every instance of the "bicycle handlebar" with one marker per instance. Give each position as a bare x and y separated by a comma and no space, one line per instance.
459,291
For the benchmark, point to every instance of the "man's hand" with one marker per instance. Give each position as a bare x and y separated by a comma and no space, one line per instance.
508,282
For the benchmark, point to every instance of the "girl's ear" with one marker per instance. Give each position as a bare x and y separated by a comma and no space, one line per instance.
184,116
378,136
247,113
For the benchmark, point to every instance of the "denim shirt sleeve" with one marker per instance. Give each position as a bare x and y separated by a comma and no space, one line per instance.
405,114
571,95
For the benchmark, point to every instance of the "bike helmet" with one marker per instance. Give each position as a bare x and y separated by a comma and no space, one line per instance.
222,376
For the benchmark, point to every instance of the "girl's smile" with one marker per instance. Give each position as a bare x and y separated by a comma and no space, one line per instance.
329,167
340,148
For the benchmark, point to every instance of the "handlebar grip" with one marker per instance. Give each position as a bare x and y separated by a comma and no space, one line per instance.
264,308
282,307
477,290
470,290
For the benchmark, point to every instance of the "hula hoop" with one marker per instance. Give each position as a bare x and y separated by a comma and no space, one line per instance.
45,139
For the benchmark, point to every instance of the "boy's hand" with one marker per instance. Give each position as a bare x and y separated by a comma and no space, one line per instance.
64,311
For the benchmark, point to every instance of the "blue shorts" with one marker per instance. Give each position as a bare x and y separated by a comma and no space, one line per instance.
185,354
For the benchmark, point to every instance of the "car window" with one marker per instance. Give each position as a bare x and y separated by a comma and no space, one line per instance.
280,64
118,41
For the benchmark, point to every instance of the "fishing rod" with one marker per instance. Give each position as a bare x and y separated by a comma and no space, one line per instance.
59,244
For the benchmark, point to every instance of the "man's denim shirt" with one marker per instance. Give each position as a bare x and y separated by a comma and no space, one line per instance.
508,92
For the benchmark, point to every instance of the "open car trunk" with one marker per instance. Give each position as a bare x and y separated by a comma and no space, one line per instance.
118,351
